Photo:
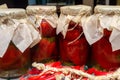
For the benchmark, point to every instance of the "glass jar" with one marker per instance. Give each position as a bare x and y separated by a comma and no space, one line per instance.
102,32
16,38
44,18
73,46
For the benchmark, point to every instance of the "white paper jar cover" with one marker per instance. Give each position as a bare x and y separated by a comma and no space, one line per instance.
3,6
37,13
107,9
76,13
104,17
75,10
41,9
15,27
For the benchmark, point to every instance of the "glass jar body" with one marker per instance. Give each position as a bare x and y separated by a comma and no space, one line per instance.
14,63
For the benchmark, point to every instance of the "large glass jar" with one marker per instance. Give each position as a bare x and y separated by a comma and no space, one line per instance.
102,32
73,46
44,18
16,37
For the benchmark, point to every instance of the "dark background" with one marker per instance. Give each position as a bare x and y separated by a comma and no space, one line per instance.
24,3
15,3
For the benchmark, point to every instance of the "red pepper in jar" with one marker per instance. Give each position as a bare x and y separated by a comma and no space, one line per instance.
72,43
104,39
103,54
45,49
45,22
15,52
74,48
46,29
14,59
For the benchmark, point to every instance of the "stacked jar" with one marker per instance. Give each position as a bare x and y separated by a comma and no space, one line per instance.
44,18
73,46
102,32
15,39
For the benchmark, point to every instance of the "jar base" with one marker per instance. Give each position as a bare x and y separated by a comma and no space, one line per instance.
12,73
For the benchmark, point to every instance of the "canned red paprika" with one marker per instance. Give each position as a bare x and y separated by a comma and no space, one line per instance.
73,46
16,39
103,35
44,18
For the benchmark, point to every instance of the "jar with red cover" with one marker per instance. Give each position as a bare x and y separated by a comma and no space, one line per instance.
15,41
102,32
44,18
73,45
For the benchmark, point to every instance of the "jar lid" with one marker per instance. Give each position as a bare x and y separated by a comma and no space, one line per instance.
106,9
75,9
16,13
3,6
41,10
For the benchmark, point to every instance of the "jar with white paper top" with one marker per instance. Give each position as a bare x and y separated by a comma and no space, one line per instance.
73,46
102,31
17,35
44,18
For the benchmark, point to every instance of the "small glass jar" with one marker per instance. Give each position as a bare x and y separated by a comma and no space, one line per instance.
103,35
44,18
73,46
14,46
